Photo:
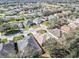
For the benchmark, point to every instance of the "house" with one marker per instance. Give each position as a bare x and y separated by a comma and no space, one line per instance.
11,12
76,22
22,44
67,33
72,25
8,51
4,27
20,25
41,38
28,47
14,25
17,25
39,20
66,29
29,23
16,17
51,17
56,32
6,19
46,18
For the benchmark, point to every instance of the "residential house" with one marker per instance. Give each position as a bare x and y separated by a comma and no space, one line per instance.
67,33
76,22
66,29
29,23
72,25
41,38
16,17
28,47
9,13
20,25
39,20
8,51
14,25
17,25
56,32
6,19
51,17
4,27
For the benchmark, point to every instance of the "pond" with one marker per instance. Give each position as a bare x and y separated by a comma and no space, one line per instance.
12,32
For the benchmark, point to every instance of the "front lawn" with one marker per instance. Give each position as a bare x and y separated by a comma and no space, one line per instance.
35,26
4,40
16,38
46,23
41,31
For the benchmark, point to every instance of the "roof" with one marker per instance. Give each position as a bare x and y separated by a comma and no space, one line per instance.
39,20
56,32
41,38
65,28
6,19
72,25
16,17
7,50
29,23
30,40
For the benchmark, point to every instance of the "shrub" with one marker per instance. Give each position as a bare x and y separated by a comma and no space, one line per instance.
41,31
4,40
30,34
77,31
76,14
26,28
15,39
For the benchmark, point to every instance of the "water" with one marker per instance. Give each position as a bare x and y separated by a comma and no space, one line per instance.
30,1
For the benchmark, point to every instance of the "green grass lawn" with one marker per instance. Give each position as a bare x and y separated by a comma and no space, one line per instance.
20,37
4,40
26,28
14,21
2,33
41,31
2,15
35,26
46,23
